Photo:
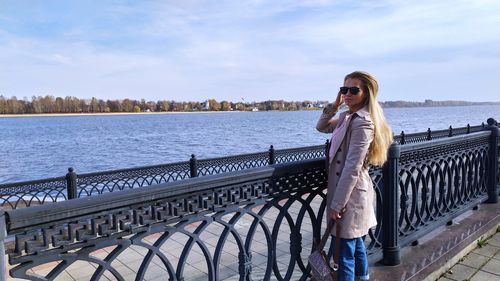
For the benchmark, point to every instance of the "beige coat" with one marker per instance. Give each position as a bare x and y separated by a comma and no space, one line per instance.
349,185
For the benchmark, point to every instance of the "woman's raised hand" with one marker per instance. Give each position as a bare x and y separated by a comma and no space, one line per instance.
339,101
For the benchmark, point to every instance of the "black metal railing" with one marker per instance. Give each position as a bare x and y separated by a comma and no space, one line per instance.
403,138
257,223
33,193
239,216
439,180
25,194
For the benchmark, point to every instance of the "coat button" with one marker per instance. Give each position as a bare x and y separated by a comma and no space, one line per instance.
340,150
338,161
337,173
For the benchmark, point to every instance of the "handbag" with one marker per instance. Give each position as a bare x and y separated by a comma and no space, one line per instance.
321,270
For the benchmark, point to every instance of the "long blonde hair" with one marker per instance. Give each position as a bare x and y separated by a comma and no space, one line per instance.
377,153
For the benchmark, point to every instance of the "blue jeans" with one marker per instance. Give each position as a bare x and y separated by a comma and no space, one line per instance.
352,260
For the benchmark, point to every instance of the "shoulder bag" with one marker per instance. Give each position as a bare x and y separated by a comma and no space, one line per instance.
321,270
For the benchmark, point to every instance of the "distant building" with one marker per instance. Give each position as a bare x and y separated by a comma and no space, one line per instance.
205,105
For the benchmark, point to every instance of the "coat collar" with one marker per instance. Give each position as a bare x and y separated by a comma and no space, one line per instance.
362,112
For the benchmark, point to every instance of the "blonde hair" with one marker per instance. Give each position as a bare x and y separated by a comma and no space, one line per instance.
377,153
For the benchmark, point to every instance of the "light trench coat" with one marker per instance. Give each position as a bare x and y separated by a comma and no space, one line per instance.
350,188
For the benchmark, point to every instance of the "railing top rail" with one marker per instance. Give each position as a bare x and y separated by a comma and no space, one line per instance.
64,211
133,169
300,148
284,150
91,174
440,141
433,134
256,154
30,182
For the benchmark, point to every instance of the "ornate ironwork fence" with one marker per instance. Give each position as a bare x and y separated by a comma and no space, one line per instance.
25,194
438,134
257,223
210,222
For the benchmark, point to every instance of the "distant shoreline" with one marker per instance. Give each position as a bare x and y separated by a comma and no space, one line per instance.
72,106
385,106
111,113
431,103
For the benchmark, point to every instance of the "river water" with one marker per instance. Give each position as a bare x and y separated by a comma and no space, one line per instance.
43,146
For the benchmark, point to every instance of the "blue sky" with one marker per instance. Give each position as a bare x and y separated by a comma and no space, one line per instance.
252,50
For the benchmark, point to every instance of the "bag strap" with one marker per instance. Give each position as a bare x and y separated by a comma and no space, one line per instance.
336,255
326,235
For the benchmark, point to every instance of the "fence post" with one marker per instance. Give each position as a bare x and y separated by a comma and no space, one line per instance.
390,240
493,165
3,234
71,183
193,166
272,159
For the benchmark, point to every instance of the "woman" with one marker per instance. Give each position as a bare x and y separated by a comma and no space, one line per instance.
360,138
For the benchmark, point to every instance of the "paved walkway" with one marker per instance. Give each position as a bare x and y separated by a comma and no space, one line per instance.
482,264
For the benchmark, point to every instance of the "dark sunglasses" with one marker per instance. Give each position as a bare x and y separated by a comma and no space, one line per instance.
353,90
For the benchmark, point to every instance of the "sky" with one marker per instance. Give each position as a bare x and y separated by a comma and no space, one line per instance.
249,50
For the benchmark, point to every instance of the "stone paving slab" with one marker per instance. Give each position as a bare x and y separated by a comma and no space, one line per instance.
474,260
485,276
460,272
493,267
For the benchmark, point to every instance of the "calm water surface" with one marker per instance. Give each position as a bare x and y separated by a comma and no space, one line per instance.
41,147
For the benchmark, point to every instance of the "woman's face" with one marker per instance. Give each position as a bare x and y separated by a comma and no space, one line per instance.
354,101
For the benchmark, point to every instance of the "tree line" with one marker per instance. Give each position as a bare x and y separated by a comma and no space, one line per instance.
432,103
51,104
